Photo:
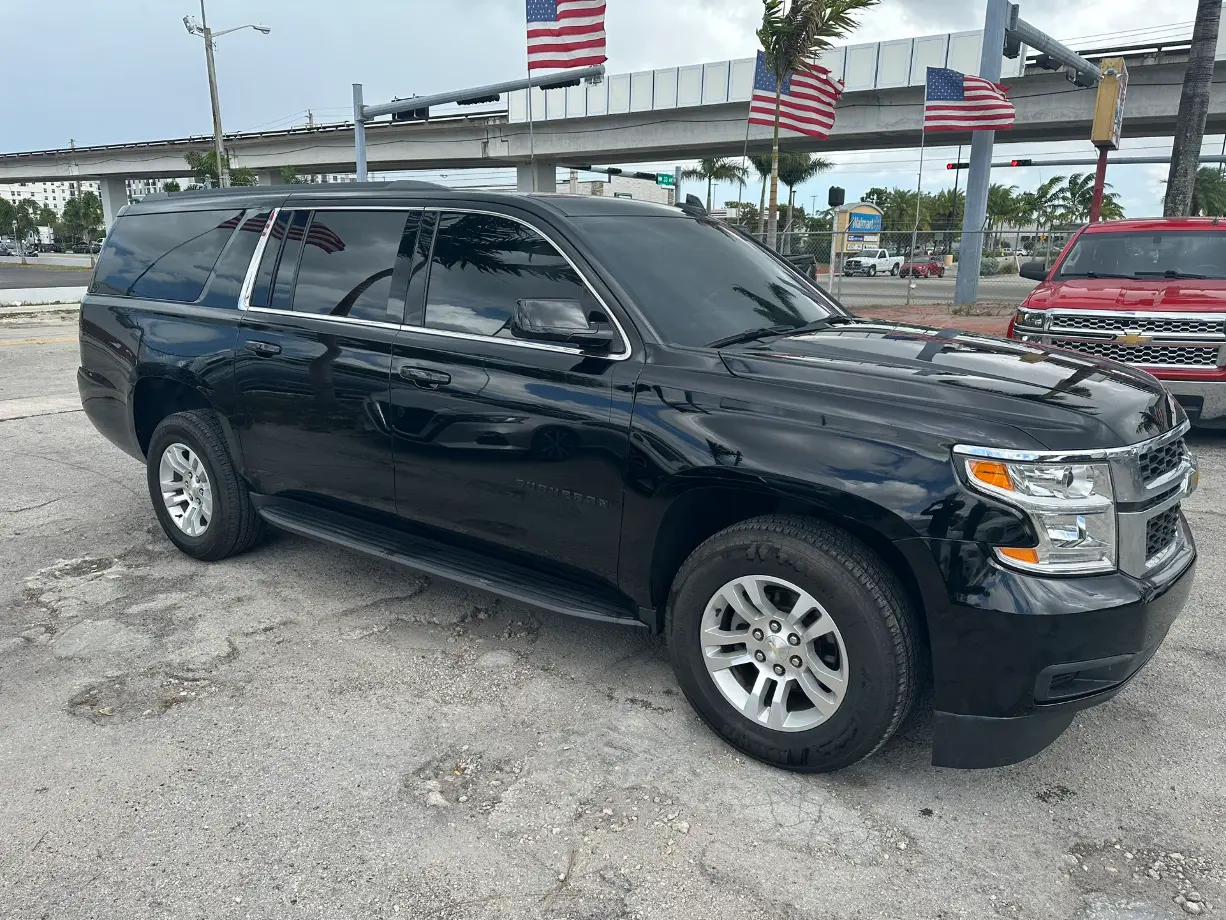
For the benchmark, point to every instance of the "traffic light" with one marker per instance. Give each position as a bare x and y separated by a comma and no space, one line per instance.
477,100
558,84
836,197
1021,162
957,165
412,115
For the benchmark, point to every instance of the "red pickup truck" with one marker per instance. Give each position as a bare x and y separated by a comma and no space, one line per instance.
1150,293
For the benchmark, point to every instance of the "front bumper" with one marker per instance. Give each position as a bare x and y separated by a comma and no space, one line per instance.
1203,400
1016,656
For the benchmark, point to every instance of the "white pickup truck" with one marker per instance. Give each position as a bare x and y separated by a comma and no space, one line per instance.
872,262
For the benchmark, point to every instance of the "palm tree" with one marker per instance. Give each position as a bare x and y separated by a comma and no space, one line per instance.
1209,193
1193,109
796,169
790,38
762,165
1111,208
1076,197
716,169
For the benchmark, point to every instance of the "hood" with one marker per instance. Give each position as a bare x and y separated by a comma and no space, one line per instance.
1062,400
1126,294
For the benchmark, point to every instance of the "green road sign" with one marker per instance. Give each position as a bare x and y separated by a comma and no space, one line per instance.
666,180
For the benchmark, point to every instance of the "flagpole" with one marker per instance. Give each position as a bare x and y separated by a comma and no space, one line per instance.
740,195
919,184
531,138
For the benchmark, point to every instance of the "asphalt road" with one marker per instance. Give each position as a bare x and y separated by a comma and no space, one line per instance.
19,276
304,732
50,258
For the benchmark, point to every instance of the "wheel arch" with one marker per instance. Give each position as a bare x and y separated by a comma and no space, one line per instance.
700,508
157,395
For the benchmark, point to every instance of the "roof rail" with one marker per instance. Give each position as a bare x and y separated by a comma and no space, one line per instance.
298,187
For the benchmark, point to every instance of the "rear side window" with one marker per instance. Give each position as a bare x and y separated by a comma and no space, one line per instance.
348,258
262,289
291,251
227,283
482,264
163,256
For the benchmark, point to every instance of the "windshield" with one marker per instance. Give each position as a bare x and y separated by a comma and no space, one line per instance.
700,281
1163,254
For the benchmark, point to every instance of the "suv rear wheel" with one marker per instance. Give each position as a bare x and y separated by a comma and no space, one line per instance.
200,500
794,642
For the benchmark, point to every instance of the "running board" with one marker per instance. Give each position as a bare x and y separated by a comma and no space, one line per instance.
432,557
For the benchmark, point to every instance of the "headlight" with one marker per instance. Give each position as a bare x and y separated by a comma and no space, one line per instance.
1034,318
1070,504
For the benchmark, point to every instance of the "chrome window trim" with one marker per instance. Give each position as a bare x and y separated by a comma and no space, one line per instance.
244,300
345,320
244,295
1068,456
622,356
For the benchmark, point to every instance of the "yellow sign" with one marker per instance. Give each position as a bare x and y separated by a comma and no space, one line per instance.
1109,109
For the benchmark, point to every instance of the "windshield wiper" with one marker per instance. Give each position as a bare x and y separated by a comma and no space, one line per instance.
1171,273
751,335
1093,275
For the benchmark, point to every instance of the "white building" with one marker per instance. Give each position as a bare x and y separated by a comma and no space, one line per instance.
55,195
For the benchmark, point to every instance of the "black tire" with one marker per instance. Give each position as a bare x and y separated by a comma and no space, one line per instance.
872,271
894,269
874,617
235,527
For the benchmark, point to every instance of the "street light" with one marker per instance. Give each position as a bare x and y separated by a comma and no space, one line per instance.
202,29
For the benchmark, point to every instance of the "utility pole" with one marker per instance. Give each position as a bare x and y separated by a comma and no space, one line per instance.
310,119
223,168
202,29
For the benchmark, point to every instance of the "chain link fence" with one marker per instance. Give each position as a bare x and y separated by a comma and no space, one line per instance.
882,269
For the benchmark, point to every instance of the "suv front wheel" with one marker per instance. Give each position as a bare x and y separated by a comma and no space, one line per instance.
794,642
200,499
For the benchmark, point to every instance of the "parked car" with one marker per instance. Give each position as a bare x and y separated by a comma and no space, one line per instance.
84,248
6,250
633,414
1150,293
931,267
872,262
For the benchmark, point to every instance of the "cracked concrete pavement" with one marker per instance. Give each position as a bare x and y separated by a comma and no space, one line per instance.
302,731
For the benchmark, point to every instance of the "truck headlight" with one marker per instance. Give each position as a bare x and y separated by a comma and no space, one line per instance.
1070,504
1035,319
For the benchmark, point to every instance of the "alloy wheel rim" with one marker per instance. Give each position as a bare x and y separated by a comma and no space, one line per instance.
186,490
774,653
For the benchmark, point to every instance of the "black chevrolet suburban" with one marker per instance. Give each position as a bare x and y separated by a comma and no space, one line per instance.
635,414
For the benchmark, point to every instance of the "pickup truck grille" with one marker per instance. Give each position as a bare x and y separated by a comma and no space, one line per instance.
1158,462
1160,531
1148,355
1208,328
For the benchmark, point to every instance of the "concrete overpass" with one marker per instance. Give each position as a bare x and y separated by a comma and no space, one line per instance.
674,113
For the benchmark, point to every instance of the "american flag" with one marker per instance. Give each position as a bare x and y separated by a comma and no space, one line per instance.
565,33
806,105
959,102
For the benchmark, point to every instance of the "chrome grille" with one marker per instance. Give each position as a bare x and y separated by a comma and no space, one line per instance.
1147,355
1147,325
1160,531
1161,460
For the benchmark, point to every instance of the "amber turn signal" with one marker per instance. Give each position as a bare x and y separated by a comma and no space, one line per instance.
1019,554
991,473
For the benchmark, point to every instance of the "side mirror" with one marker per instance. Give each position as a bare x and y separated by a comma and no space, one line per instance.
1035,271
563,321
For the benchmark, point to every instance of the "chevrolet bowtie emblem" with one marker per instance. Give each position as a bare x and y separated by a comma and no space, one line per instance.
1133,337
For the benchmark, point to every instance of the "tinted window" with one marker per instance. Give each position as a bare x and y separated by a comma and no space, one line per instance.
291,251
1156,254
262,288
227,283
482,264
348,258
699,281
164,256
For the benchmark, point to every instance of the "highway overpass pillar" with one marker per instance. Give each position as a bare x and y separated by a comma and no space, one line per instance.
114,194
545,174
269,177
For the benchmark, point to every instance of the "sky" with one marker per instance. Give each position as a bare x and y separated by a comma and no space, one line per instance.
126,70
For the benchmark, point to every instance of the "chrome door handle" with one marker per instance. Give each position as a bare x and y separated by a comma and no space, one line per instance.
424,377
263,349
